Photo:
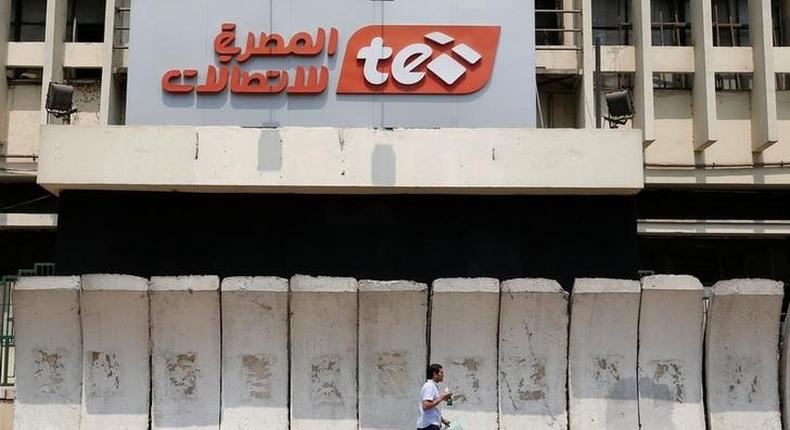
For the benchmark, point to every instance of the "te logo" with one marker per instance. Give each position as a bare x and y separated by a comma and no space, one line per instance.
413,59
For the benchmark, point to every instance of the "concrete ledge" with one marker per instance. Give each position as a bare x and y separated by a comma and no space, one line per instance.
107,282
532,285
17,221
341,160
25,54
255,283
83,55
322,284
370,286
184,283
671,282
48,283
602,285
466,285
748,287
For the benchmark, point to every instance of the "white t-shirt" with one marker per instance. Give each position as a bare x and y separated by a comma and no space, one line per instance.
433,416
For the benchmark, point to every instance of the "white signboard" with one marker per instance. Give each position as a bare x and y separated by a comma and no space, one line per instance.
341,63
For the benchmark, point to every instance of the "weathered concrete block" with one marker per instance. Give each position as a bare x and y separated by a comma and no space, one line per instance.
323,353
185,339
533,347
48,353
741,355
784,376
602,354
115,345
464,323
670,353
254,353
392,352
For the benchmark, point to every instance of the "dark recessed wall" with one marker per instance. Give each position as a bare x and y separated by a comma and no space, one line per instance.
380,237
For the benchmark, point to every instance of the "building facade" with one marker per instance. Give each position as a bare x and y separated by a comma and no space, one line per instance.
526,179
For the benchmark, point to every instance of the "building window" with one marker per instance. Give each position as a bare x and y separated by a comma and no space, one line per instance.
730,23
28,20
673,81
85,21
733,81
671,24
612,22
780,11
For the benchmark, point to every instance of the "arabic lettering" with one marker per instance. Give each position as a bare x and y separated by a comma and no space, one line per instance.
301,44
311,80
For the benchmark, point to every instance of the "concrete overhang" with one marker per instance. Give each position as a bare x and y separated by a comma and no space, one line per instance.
342,161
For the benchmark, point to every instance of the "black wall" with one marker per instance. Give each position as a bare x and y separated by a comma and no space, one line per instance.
376,237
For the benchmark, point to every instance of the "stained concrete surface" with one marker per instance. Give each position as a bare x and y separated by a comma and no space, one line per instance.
392,353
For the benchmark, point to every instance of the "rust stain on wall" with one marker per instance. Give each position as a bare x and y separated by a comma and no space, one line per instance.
324,378
745,374
182,374
49,370
257,369
103,377
465,371
392,373
668,375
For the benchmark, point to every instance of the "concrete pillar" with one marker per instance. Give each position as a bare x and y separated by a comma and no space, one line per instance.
533,346
5,27
764,133
464,323
323,353
670,354
108,65
704,92
185,357
392,353
115,345
254,353
644,117
741,355
585,115
602,355
54,49
48,353
568,23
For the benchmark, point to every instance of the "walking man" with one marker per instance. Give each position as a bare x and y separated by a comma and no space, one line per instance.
430,414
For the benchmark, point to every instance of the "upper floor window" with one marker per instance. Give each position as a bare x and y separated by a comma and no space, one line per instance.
28,20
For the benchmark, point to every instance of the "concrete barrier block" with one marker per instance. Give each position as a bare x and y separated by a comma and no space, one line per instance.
670,353
602,354
115,348
533,347
48,353
741,355
464,323
254,353
323,353
784,376
185,360
392,352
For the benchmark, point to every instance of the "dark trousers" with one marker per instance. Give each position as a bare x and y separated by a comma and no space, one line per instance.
431,427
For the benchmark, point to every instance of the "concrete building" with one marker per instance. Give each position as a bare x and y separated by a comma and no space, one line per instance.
523,178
